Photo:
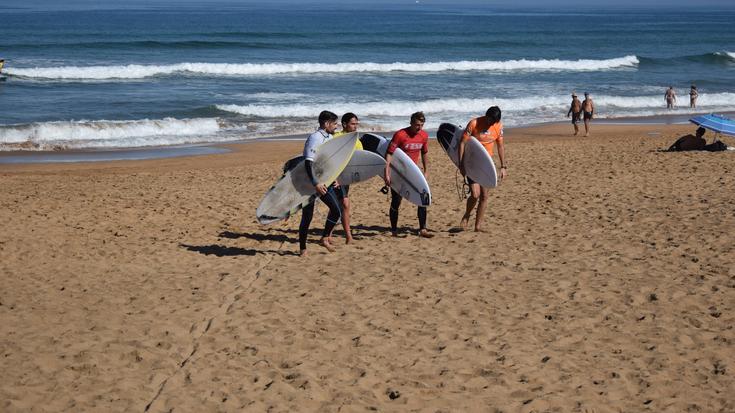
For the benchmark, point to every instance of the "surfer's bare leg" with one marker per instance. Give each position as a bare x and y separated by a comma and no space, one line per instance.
346,219
481,209
471,202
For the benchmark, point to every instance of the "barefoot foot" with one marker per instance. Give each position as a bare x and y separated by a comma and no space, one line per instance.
326,244
463,223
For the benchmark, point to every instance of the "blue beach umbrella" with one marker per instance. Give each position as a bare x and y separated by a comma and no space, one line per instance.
715,123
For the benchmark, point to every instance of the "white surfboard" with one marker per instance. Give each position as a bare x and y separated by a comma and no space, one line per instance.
406,177
294,190
478,163
362,166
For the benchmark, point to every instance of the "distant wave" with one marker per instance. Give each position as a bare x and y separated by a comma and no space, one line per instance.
715,58
104,133
266,69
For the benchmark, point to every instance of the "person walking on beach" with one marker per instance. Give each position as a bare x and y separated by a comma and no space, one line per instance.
488,130
350,122
588,108
693,95
326,192
670,97
575,110
415,142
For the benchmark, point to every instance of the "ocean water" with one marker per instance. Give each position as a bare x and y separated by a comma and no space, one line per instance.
163,74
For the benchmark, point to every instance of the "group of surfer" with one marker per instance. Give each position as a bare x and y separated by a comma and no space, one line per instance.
414,141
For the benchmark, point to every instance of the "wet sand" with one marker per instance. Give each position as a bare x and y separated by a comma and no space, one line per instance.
605,284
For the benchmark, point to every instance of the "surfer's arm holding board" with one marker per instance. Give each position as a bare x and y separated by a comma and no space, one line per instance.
386,174
425,162
313,142
320,188
461,147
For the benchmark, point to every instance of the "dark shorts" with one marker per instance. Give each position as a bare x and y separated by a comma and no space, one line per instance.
575,117
587,115
343,191
470,181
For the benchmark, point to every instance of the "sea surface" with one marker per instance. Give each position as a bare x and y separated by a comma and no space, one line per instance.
166,74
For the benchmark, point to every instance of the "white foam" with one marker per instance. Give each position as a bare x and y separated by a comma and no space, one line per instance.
276,118
94,134
397,108
265,69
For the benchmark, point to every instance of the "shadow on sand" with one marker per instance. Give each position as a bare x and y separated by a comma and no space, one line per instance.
225,251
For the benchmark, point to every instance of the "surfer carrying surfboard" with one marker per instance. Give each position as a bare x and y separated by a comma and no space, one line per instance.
414,141
349,125
327,126
488,130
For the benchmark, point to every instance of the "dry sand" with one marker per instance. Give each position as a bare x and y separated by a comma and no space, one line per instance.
606,284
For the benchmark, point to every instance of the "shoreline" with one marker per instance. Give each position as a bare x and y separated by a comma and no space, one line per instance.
211,148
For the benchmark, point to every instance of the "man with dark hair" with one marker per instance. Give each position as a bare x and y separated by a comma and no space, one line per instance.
415,142
690,142
588,109
327,126
350,122
488,130
575,110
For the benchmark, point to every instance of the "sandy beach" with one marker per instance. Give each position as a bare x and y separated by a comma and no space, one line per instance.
606,283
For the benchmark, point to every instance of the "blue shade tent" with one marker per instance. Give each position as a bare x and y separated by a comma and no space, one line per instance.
715,123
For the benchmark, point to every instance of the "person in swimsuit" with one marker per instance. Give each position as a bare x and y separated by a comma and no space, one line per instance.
415,142
488,130
693,95
350,122
588,109
326,192
575,110
670,97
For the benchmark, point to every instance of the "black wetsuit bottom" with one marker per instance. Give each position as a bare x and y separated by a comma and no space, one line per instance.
335,213
395,203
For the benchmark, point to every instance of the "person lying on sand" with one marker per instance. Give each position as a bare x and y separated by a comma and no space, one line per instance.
690,142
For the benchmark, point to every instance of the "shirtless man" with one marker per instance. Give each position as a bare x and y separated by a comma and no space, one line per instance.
588,108
488,130
670,97
575,110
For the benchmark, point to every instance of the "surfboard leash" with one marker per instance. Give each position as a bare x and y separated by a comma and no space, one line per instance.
463,190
